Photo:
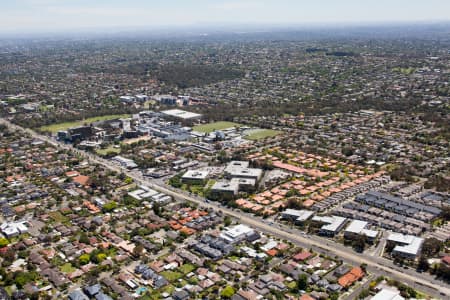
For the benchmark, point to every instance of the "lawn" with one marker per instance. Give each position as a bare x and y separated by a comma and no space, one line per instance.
187,268
171,275
207,128
58,217
64,126
67,268
107,150
258,134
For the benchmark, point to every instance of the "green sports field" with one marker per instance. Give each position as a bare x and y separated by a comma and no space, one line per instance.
259,134
207,128
66,125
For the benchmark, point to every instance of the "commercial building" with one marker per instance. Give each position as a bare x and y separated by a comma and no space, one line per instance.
385,294
180,115
224,189
237,233
166,99
332,224
407,246
358,227
145,193
240,169
125,162
298,216
14,228
195,177
228,189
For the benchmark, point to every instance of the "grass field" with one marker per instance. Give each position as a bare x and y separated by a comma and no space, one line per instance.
58,217
187,268
107,150
171,275
215,126
261,134
64,126
67,268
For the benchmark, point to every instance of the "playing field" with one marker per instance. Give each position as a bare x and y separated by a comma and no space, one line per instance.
64,126
258,134
107,150
215,126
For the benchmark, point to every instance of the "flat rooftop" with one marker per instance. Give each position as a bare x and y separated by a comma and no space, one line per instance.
181,114
359,227
332,223
410,244
230,186
195,174
301,215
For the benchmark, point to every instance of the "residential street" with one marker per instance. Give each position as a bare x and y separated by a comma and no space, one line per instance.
376,265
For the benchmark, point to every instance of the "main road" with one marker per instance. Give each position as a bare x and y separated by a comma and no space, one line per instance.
376,265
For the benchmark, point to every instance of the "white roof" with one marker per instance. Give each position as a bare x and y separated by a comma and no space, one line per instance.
14,228
400,238
148,194
359,227
270,245
370,233
236,232
182,114
332,223
241,169
387,295
137,194
302,215
247,181
195,174
356,226
410,244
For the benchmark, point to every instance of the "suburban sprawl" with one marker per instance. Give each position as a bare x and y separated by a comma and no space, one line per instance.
279,166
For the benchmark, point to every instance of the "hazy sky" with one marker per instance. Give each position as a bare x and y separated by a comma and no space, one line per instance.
57,15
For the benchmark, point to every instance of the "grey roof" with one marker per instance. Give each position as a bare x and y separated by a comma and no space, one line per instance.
78,295
101,296
92,290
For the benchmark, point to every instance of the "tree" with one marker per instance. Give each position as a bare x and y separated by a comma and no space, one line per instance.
227,292
138,250
302,282
84,259
83,238
227,221
446,213
3,242
22,278
423,264
175,181
110,206
431,247
157,209
359,243
364,294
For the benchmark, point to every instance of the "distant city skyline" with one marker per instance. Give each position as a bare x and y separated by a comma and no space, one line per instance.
58,15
